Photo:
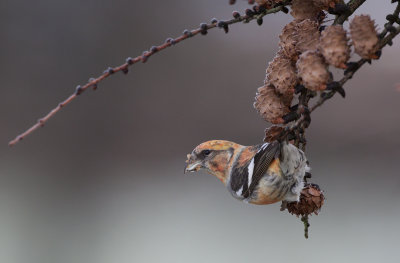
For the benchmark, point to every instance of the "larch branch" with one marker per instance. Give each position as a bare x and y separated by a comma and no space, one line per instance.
203,29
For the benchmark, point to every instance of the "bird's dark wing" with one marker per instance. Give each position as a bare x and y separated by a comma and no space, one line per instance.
262,160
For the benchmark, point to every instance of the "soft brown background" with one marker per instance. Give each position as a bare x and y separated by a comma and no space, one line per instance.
103,181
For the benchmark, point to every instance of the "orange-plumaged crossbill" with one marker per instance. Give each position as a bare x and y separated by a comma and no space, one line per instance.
260,174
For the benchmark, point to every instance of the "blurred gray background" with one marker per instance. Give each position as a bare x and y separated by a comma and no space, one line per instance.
103,181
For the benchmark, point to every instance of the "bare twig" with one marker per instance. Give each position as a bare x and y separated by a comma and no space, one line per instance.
352,6
304,219
203,29
395,18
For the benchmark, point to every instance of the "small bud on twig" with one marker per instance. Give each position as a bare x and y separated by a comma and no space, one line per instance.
389,27
235,14
129,61
203,27
78,90
249,13
125,70
335,86
109,71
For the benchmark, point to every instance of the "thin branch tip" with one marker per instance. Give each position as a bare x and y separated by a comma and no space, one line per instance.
202,30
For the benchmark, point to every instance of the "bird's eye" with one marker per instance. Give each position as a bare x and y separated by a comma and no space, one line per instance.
206,152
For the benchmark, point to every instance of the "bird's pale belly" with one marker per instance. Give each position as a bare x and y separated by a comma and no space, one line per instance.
265,198
272,188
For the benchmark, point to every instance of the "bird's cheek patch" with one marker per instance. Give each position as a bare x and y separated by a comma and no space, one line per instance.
219,163
215,166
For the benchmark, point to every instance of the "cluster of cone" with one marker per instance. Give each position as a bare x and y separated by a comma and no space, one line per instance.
311,201
306,52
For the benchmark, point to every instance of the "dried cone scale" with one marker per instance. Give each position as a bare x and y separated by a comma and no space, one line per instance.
334,46
313,70
364,36
287,41
272,133
282,74
307,36
325,4
270,105
267,2
311,201
304,9
287,99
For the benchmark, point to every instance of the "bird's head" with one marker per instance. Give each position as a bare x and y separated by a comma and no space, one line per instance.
213,156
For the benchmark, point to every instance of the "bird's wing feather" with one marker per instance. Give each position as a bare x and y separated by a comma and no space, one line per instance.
262,160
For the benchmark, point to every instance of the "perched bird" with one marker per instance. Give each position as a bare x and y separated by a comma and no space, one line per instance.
261,174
